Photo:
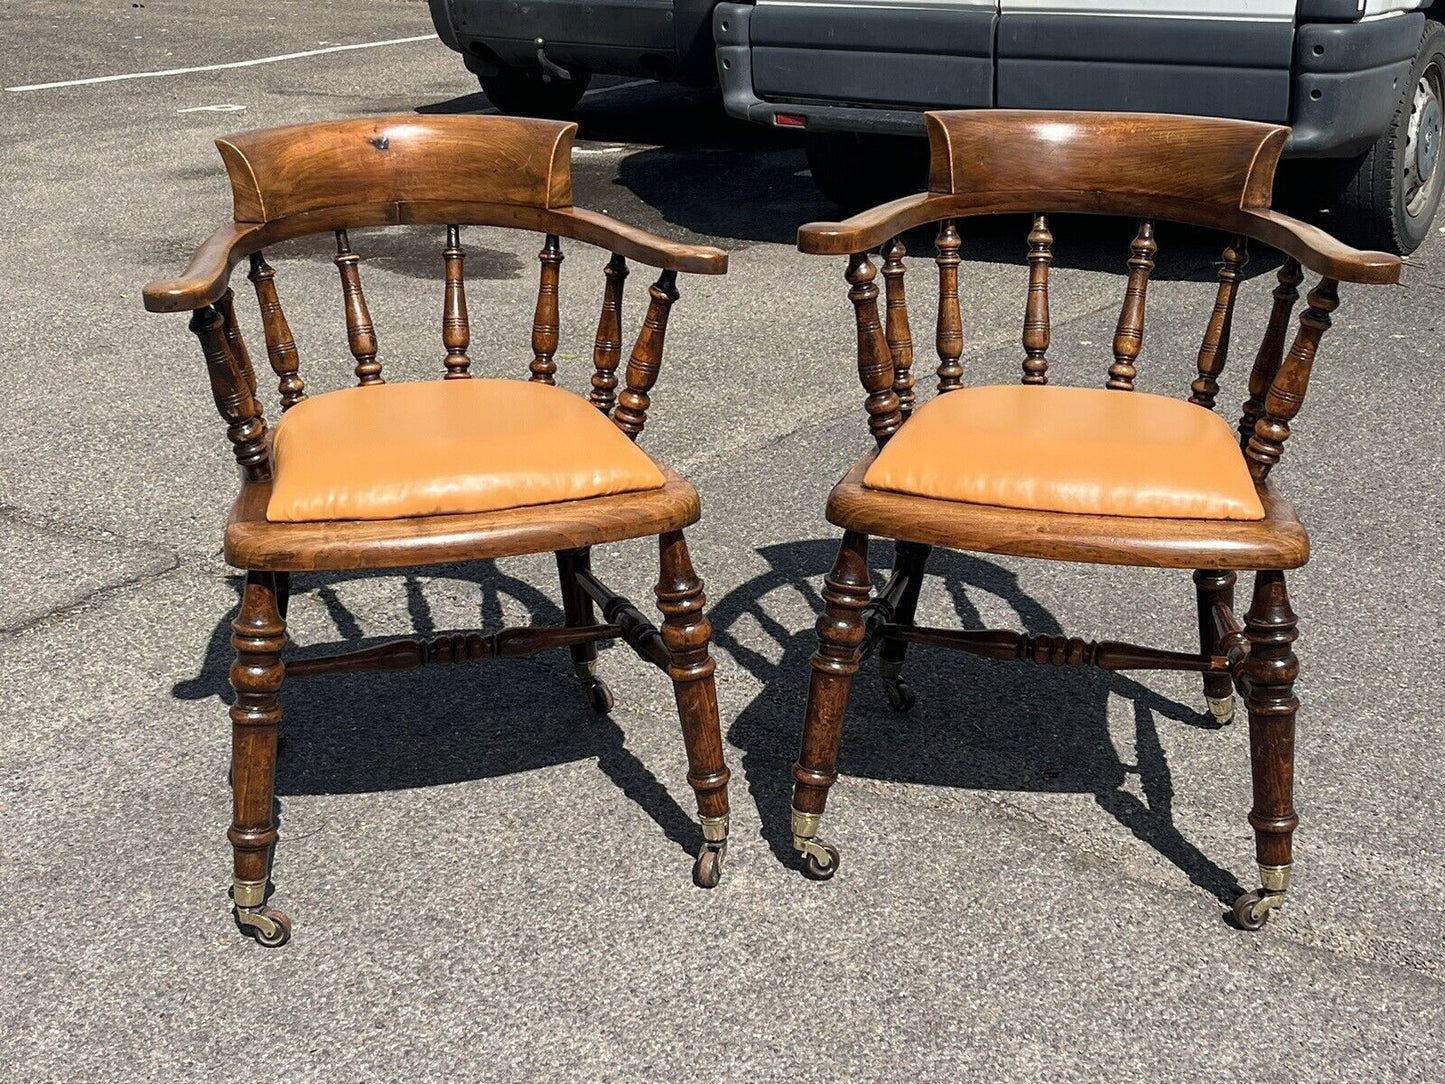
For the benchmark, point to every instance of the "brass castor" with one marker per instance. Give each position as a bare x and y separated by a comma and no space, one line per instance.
598,694
270,926
1251,910
900,694
820,867
1221,708
707,870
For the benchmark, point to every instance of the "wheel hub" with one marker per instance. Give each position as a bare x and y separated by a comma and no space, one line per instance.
1422,143
1427,142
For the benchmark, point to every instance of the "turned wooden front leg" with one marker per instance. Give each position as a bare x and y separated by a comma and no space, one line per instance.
687,633
840,631
1211,586
258,635
1269,677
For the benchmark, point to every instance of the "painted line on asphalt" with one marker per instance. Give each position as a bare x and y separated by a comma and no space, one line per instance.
221,67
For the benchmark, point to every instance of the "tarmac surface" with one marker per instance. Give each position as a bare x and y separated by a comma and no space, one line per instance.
488,881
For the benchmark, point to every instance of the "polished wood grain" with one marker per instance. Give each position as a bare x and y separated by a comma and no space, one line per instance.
360,332
607,346
645,362
1287,390
546,321
1129,332
1271,347
948,334
896,327
280,344
456,330
875,362
1036,307
1214,350
233,395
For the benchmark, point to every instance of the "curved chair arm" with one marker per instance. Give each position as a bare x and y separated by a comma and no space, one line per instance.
205,277
1318,250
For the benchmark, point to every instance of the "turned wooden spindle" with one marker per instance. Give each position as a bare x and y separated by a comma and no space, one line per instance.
1129,334
456,332
897,331
949,333
607,347
875,363
1271,348
1214,349
235,401
546,324
360,334
1287,391
280,346
225,305
646,360
1036,311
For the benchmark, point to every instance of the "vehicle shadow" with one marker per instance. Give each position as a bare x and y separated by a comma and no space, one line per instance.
358,733
978,724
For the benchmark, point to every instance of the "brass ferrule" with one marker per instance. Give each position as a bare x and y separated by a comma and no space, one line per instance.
1274,878
805,825
715,829
248,893
586,671
1222,708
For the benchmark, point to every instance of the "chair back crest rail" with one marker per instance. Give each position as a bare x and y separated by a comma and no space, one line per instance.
339,176
1199,171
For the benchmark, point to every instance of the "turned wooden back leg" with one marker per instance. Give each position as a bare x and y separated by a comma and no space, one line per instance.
607,347
1036,309
546,323
646,360
280,346
360,334
948,338
1271,348
1129,333
897,331
1214,350
456,331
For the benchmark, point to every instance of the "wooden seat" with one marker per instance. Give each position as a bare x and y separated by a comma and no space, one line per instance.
456,469
1078,475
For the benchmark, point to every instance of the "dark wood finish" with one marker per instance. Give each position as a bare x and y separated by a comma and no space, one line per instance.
348,175
1036,308
646,360
1129,333
1214,350
607,347
456,331
280,345
1213,173
546,323
1271,347
360,334
948,337
896,328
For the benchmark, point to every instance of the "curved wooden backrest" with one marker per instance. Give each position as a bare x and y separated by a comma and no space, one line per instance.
1108,163
277,173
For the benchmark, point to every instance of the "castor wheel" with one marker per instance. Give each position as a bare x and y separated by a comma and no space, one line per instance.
269,926
900,695
1251,910
816,871
600,697
707,870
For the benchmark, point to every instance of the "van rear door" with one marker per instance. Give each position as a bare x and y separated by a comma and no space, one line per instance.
1212,57
879,53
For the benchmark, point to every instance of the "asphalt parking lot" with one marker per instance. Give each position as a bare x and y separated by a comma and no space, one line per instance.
491,883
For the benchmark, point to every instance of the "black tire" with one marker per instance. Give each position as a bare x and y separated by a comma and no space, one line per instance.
1381,201
857,170
522,92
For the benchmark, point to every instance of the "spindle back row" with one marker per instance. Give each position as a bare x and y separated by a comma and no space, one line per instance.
1220,175
293,182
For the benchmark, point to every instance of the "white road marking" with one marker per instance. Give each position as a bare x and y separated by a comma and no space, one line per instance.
220,67
225,107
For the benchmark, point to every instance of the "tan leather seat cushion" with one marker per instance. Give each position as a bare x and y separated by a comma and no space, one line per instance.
388,451
1083,450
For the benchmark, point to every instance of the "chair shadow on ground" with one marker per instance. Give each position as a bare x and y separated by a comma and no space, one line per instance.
978,724
356,733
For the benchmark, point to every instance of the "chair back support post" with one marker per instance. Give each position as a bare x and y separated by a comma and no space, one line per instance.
646,360
607,347
1129,333
1271,348
456,330
1287,391
875,363
234,342
1214,349
280,346
1036,309
235,400
897,330
546,322
360,333
948,337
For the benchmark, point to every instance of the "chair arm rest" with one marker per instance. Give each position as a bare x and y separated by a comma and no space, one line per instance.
205,278
1318,251
606,232
869,229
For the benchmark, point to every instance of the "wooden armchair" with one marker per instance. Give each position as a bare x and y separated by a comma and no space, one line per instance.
393,475
1108,475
